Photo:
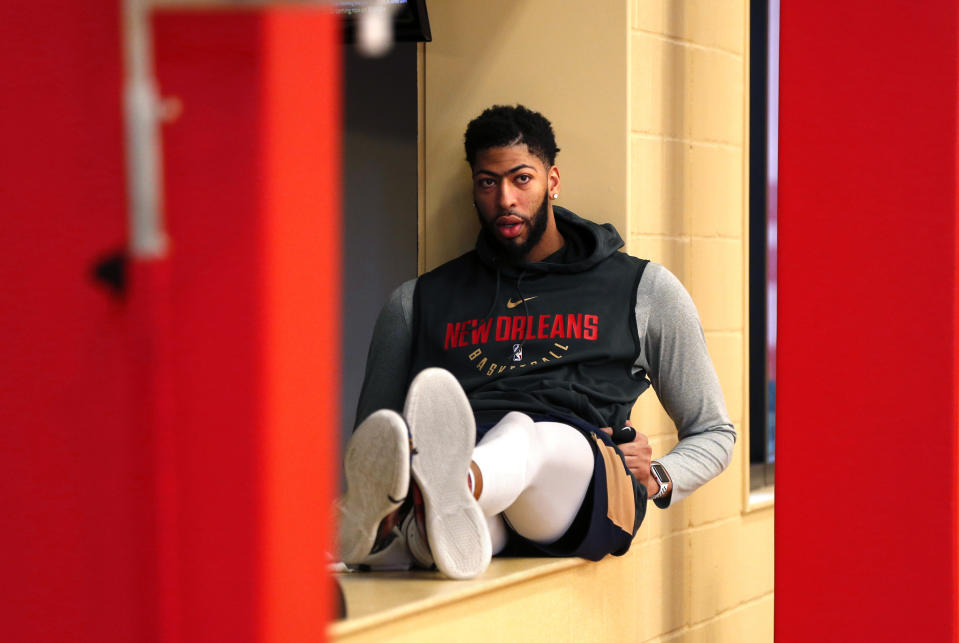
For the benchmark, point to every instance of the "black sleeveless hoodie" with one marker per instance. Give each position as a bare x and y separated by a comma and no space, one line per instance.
556,337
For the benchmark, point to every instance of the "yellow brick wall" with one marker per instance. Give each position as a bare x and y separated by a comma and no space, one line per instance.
688,63
648,99
559,58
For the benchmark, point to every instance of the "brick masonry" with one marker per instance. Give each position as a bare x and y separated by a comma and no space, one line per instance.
711,556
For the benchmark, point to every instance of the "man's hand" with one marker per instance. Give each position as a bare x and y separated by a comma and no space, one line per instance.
638,456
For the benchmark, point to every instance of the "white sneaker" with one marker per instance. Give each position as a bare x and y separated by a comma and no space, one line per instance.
443,434
377,467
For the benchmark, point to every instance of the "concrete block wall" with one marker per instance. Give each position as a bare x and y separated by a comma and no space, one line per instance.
566,62
688,140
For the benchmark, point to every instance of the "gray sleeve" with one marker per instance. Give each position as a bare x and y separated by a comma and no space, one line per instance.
388,362
675,358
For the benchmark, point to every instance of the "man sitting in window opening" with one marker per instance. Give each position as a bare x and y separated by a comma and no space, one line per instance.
492,383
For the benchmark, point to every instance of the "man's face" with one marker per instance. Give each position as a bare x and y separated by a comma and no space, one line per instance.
511,189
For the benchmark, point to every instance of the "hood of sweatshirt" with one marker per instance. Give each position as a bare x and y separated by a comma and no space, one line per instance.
587,244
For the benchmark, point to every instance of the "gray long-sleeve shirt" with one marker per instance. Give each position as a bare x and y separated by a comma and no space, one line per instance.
673,357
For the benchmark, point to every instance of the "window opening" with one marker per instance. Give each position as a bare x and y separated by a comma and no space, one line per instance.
763,189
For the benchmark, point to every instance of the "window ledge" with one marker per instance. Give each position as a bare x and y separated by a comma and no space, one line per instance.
762,498
375,599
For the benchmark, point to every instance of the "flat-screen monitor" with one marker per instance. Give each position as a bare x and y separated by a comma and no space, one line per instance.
410,21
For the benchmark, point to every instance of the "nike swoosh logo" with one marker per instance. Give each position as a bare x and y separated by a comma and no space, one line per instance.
513,304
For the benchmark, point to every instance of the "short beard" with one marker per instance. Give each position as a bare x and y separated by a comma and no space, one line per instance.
516,253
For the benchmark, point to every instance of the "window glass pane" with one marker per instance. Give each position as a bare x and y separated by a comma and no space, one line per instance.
764,151
772,181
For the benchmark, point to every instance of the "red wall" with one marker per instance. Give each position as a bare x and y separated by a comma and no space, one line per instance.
165,465
866,435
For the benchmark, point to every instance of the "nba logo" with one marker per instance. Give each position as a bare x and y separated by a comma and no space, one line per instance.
517,352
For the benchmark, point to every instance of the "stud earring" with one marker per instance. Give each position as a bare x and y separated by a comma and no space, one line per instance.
555,195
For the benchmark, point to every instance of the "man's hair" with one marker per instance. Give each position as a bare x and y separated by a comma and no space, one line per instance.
505,125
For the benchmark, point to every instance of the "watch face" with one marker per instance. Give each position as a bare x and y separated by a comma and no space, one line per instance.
659,471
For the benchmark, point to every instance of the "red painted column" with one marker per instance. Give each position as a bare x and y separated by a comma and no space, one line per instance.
302,340
252,185
866,482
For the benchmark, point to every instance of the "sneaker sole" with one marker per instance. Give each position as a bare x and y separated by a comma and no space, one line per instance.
444,434
377,467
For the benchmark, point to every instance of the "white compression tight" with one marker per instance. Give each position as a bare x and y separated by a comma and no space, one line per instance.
536,474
